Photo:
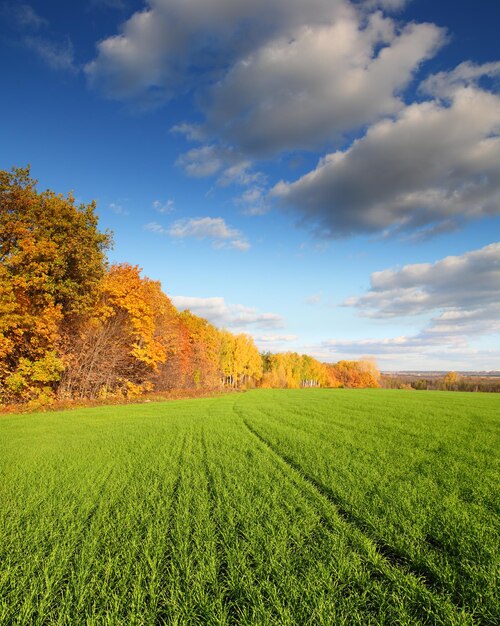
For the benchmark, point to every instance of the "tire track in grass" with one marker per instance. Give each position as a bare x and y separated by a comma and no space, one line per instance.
248,590
398,563
437,557
235,604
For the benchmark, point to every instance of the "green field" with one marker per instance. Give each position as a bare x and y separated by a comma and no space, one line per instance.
266,507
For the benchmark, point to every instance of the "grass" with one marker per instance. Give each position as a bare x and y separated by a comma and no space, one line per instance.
270,507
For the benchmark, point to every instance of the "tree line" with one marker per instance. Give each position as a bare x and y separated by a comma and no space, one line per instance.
73,326
451,381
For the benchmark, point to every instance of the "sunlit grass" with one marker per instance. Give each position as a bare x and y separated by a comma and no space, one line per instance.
270,507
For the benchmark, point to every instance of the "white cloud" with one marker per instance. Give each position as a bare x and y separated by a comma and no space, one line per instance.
373,346
154,227
253,201
217,311
230,166
175,45
204,161
434,165
237,244
304,73
445,84
315,84
192,132
164,207
240,174
212,228
275,342
462,293
461,284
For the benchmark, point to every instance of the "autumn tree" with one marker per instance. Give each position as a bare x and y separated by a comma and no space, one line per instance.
52,259
451,381
247,361
355,374
291,370
198,350
240,363
121,345
227,365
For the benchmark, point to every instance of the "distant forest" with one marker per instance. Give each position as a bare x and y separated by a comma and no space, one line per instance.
72,326
451,381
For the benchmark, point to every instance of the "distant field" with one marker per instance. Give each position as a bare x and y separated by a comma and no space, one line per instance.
269,507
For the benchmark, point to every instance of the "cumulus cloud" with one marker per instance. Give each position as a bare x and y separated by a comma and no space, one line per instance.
231,167
222,314
204,161
192,132
461,284
306,75
436,163
306,88
271,342
380,347
461,293
172,45
445,84
212,228
305,71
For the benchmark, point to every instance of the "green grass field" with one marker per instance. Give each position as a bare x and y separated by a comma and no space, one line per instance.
268,507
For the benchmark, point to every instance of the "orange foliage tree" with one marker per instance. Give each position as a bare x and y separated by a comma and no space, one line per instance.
129,334
355,374
52,259
197,354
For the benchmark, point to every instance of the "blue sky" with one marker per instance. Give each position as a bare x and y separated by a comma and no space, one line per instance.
322,174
